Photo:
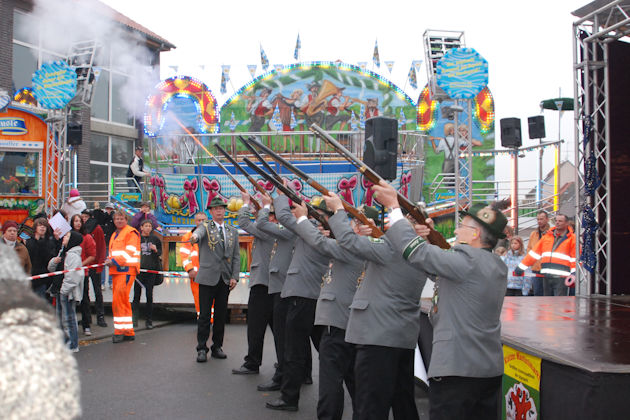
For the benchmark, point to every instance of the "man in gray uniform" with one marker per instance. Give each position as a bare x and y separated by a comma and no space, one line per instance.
260,303
281,255
467,358
336,355
219,267
301,289
383,322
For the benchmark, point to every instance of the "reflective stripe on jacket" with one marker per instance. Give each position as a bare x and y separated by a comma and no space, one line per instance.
124,251
189,253
557,258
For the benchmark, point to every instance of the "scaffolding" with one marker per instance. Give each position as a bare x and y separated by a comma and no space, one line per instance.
595,29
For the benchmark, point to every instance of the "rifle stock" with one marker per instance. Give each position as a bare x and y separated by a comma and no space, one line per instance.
291,194
376,232
435,237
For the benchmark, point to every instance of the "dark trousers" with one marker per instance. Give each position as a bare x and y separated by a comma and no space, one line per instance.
86,311
514,292
280,307
554,286
537,286
384,379
208,295
148,281
299,328
457,397
259,315
336,366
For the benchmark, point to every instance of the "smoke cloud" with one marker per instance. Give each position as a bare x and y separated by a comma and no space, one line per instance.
65,22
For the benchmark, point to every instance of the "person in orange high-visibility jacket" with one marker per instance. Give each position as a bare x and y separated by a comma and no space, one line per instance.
189,253
556,252
124,265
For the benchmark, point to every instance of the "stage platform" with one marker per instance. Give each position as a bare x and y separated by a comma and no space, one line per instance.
584,349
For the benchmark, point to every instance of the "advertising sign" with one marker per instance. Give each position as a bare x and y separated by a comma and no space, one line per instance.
54,85
462,73
521,385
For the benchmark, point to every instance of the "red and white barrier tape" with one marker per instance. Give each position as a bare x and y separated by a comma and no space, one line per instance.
56,273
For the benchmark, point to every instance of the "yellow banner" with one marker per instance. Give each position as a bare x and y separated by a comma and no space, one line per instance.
522,367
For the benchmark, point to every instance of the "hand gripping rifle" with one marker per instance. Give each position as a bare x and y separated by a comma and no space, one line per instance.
292,195
435,237
376,232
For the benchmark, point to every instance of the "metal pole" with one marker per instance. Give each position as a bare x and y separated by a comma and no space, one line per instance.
455,156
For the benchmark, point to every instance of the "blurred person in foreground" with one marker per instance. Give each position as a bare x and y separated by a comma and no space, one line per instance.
466,367
40,379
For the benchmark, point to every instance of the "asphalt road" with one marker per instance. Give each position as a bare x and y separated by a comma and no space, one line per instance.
157,377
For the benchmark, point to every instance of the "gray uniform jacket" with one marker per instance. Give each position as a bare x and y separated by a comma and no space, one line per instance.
281,252
261,248
386,306
471,283
339,283
308,265
215,260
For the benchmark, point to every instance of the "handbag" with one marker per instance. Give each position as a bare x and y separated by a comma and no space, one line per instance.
159,278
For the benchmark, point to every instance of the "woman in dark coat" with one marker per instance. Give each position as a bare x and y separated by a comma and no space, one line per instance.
41,248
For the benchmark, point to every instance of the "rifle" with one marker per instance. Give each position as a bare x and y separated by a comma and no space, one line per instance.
376,232
262,160
290,193
218,162
230,159
435,237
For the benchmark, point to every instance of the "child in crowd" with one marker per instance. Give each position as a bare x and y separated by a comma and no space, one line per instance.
72,287
516,285
500,251
150,250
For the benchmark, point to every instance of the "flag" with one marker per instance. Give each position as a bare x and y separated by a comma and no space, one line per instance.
376,58
402,120
264,61
298,45
362,65
225,77
390,66
362,117
252,69
232,123
293,123
175,68
416,64
413,78
278,67
275,119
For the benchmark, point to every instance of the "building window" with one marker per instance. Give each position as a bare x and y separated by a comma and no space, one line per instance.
24,65
20,173
109,157
100,97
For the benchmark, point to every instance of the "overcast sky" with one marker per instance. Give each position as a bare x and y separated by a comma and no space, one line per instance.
528,45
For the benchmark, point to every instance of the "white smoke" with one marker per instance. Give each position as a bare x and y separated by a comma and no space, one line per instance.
65,22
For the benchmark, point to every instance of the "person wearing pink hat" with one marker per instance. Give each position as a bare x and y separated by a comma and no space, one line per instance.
74,204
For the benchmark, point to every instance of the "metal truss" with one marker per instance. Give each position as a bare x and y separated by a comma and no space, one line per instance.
592,33
56,159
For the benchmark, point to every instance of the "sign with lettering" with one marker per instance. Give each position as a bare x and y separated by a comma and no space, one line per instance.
12,126
462,73
521,385
54,85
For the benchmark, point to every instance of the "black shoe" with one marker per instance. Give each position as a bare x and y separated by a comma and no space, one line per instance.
244,370
149,325
308,380
202,356
118,338
101,323
217,353
269,386
279,404
129,337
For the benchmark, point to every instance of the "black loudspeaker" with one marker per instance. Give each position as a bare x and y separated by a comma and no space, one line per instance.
536,127
75,134
511,132
381,146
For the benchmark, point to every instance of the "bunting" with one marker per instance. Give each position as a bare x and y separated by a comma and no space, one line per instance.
264,61
298,46
232,123
225,77
416,64
390,66
362,65
413,78
252,69
375,57
275,119
278,67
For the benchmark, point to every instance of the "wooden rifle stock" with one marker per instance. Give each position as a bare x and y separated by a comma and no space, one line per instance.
291,194
376,232
435,237
255,184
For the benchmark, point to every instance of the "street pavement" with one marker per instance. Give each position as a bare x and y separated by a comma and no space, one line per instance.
157,377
